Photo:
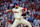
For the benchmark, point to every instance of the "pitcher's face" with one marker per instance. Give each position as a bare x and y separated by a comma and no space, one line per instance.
16,6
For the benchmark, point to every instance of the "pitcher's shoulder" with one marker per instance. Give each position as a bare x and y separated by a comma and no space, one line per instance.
13,8
21,7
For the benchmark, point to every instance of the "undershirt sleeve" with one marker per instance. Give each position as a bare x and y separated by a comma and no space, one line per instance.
23,8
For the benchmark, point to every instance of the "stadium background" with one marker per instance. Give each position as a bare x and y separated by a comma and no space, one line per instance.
32,15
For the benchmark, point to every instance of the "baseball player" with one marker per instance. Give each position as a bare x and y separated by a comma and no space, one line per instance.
18,16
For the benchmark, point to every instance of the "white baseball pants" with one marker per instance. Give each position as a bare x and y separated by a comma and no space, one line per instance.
22,21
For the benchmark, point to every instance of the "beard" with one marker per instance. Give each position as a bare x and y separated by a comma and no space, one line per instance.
16,7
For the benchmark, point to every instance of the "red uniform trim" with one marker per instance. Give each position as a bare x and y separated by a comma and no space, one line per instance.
24,9
0,26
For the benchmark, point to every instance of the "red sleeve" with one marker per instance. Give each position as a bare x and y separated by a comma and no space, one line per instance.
10,21
0,26
39,16
23,8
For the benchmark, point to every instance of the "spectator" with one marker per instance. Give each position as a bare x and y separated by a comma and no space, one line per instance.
36,22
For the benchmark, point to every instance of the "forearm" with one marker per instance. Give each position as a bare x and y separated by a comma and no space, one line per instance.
9,10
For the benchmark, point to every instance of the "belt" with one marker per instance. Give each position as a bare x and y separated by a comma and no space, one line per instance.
18,18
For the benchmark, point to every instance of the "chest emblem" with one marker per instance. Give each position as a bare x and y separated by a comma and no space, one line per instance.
16,12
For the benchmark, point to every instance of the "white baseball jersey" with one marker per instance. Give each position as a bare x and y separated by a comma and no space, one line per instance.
17,12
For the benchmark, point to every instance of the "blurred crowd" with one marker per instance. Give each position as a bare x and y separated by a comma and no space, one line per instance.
32,15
